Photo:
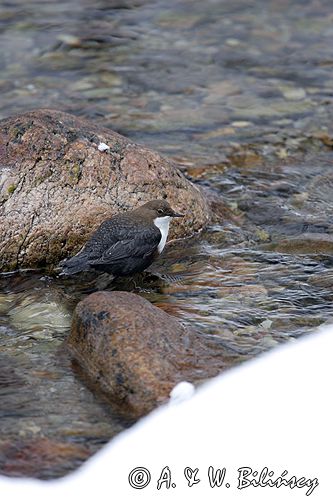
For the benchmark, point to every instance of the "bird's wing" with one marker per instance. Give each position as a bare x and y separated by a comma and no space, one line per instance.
127,241
109,233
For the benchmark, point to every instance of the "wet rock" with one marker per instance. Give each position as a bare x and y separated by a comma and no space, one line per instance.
9,378
241,124
263,212
244,293
221,212
322,279
136,353
56,187
304,244
245,158
324,137
319,196
4,303
294,94
37,457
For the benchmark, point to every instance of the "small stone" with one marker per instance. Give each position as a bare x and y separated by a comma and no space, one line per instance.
83,84
241,124
262,235
103,147
294,94
282,153
246,158
232,42
70,40
324,137
283,122
299,199
266,324
33,429
268,342
218,132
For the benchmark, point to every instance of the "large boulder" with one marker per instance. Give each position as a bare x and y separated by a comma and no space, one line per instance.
56,186
136,352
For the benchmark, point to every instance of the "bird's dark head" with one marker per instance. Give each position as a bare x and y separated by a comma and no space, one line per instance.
159,208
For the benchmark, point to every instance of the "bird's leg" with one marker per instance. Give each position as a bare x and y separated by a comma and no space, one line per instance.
169,278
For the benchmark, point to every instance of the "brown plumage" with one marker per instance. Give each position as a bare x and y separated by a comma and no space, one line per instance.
127,243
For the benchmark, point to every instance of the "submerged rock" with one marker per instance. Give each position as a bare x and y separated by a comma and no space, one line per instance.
56,186
33,312
36,456
136,353
304,244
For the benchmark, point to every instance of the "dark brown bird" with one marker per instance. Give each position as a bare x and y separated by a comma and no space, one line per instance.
127,243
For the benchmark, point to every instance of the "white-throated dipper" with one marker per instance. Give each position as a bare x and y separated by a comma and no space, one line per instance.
127,243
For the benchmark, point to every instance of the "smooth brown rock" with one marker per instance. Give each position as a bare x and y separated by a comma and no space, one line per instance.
136,352
56,187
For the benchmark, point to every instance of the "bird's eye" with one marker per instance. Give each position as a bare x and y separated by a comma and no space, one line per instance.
160,210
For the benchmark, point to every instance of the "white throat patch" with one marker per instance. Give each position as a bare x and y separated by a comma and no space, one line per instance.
163,225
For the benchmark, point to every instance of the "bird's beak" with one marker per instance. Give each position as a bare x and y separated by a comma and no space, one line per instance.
174,214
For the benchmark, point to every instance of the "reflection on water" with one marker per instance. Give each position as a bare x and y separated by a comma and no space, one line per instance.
194,79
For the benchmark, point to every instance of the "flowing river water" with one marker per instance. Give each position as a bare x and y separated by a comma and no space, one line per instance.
240,95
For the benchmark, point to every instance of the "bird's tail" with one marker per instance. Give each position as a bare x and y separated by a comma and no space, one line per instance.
76,264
